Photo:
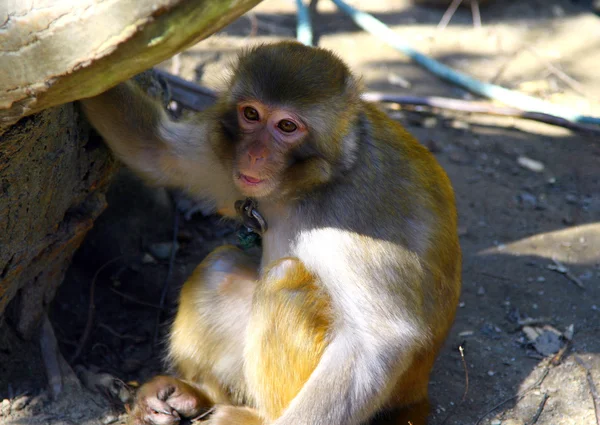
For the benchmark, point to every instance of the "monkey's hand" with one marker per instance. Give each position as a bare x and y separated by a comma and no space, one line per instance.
232,415
165,400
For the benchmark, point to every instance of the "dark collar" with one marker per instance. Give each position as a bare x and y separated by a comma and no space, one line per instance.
251,218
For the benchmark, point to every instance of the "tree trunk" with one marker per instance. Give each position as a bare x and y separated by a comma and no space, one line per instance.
53,174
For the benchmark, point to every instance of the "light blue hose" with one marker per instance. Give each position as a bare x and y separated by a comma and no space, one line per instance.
491,91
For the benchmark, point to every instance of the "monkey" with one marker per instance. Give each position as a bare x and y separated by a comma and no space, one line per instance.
341,319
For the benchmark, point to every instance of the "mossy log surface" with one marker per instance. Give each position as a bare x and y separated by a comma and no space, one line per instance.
57,51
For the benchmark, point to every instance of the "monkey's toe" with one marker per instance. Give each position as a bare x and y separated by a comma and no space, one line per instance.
165,400
233,415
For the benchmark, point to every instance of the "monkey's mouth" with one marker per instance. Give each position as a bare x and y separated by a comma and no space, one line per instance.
249,180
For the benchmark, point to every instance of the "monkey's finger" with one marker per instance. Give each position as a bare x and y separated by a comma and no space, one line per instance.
187,405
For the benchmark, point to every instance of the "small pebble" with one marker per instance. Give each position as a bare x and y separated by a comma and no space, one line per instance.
429,122
496,422
460,125
530,164
491,373
162,250
5,407
20,403
109,419
481,291
571,199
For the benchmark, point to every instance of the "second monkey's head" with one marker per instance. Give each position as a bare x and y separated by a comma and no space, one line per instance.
288,119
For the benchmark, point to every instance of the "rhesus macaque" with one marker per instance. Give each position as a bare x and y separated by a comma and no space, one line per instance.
359,280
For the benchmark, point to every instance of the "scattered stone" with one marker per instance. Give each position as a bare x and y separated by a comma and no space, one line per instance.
398,80
458,157
527,199
541,279
569,332
109,419
162,250
547,343
530,164
429,122
491,373
20,403
5,407
465,333
531,333
148,259
571,199
460,125
490,330
481,291
38,402
496,422
433,146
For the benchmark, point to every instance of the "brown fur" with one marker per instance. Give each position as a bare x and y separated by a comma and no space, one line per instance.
357,288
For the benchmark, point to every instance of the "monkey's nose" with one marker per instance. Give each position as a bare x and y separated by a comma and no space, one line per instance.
255,158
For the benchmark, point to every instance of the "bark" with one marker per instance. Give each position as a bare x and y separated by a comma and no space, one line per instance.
52,183
53,171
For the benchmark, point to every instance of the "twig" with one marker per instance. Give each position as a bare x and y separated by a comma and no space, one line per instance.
476,13
113,332
196,97
134,299
91,310
495,276
464,397
593,390
448,14
176,64
165,289
504,66
539,410
562,269
560,74
519,395
253,24
51,357
557,358
479,108
498,93
203,415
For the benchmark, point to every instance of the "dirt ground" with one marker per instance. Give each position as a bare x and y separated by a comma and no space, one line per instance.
530,231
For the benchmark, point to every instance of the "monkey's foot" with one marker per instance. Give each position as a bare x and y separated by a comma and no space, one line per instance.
165,400
232,415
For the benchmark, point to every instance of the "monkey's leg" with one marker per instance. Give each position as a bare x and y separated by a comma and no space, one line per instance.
287,335
206,342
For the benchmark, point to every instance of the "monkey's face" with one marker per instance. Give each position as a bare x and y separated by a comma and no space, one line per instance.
267,137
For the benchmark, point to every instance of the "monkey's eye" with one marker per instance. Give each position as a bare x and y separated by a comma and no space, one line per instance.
251,114
287,126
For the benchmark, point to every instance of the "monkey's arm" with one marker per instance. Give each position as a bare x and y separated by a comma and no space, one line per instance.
162,151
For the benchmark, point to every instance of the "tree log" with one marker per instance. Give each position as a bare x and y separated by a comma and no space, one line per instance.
53,172
57,51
